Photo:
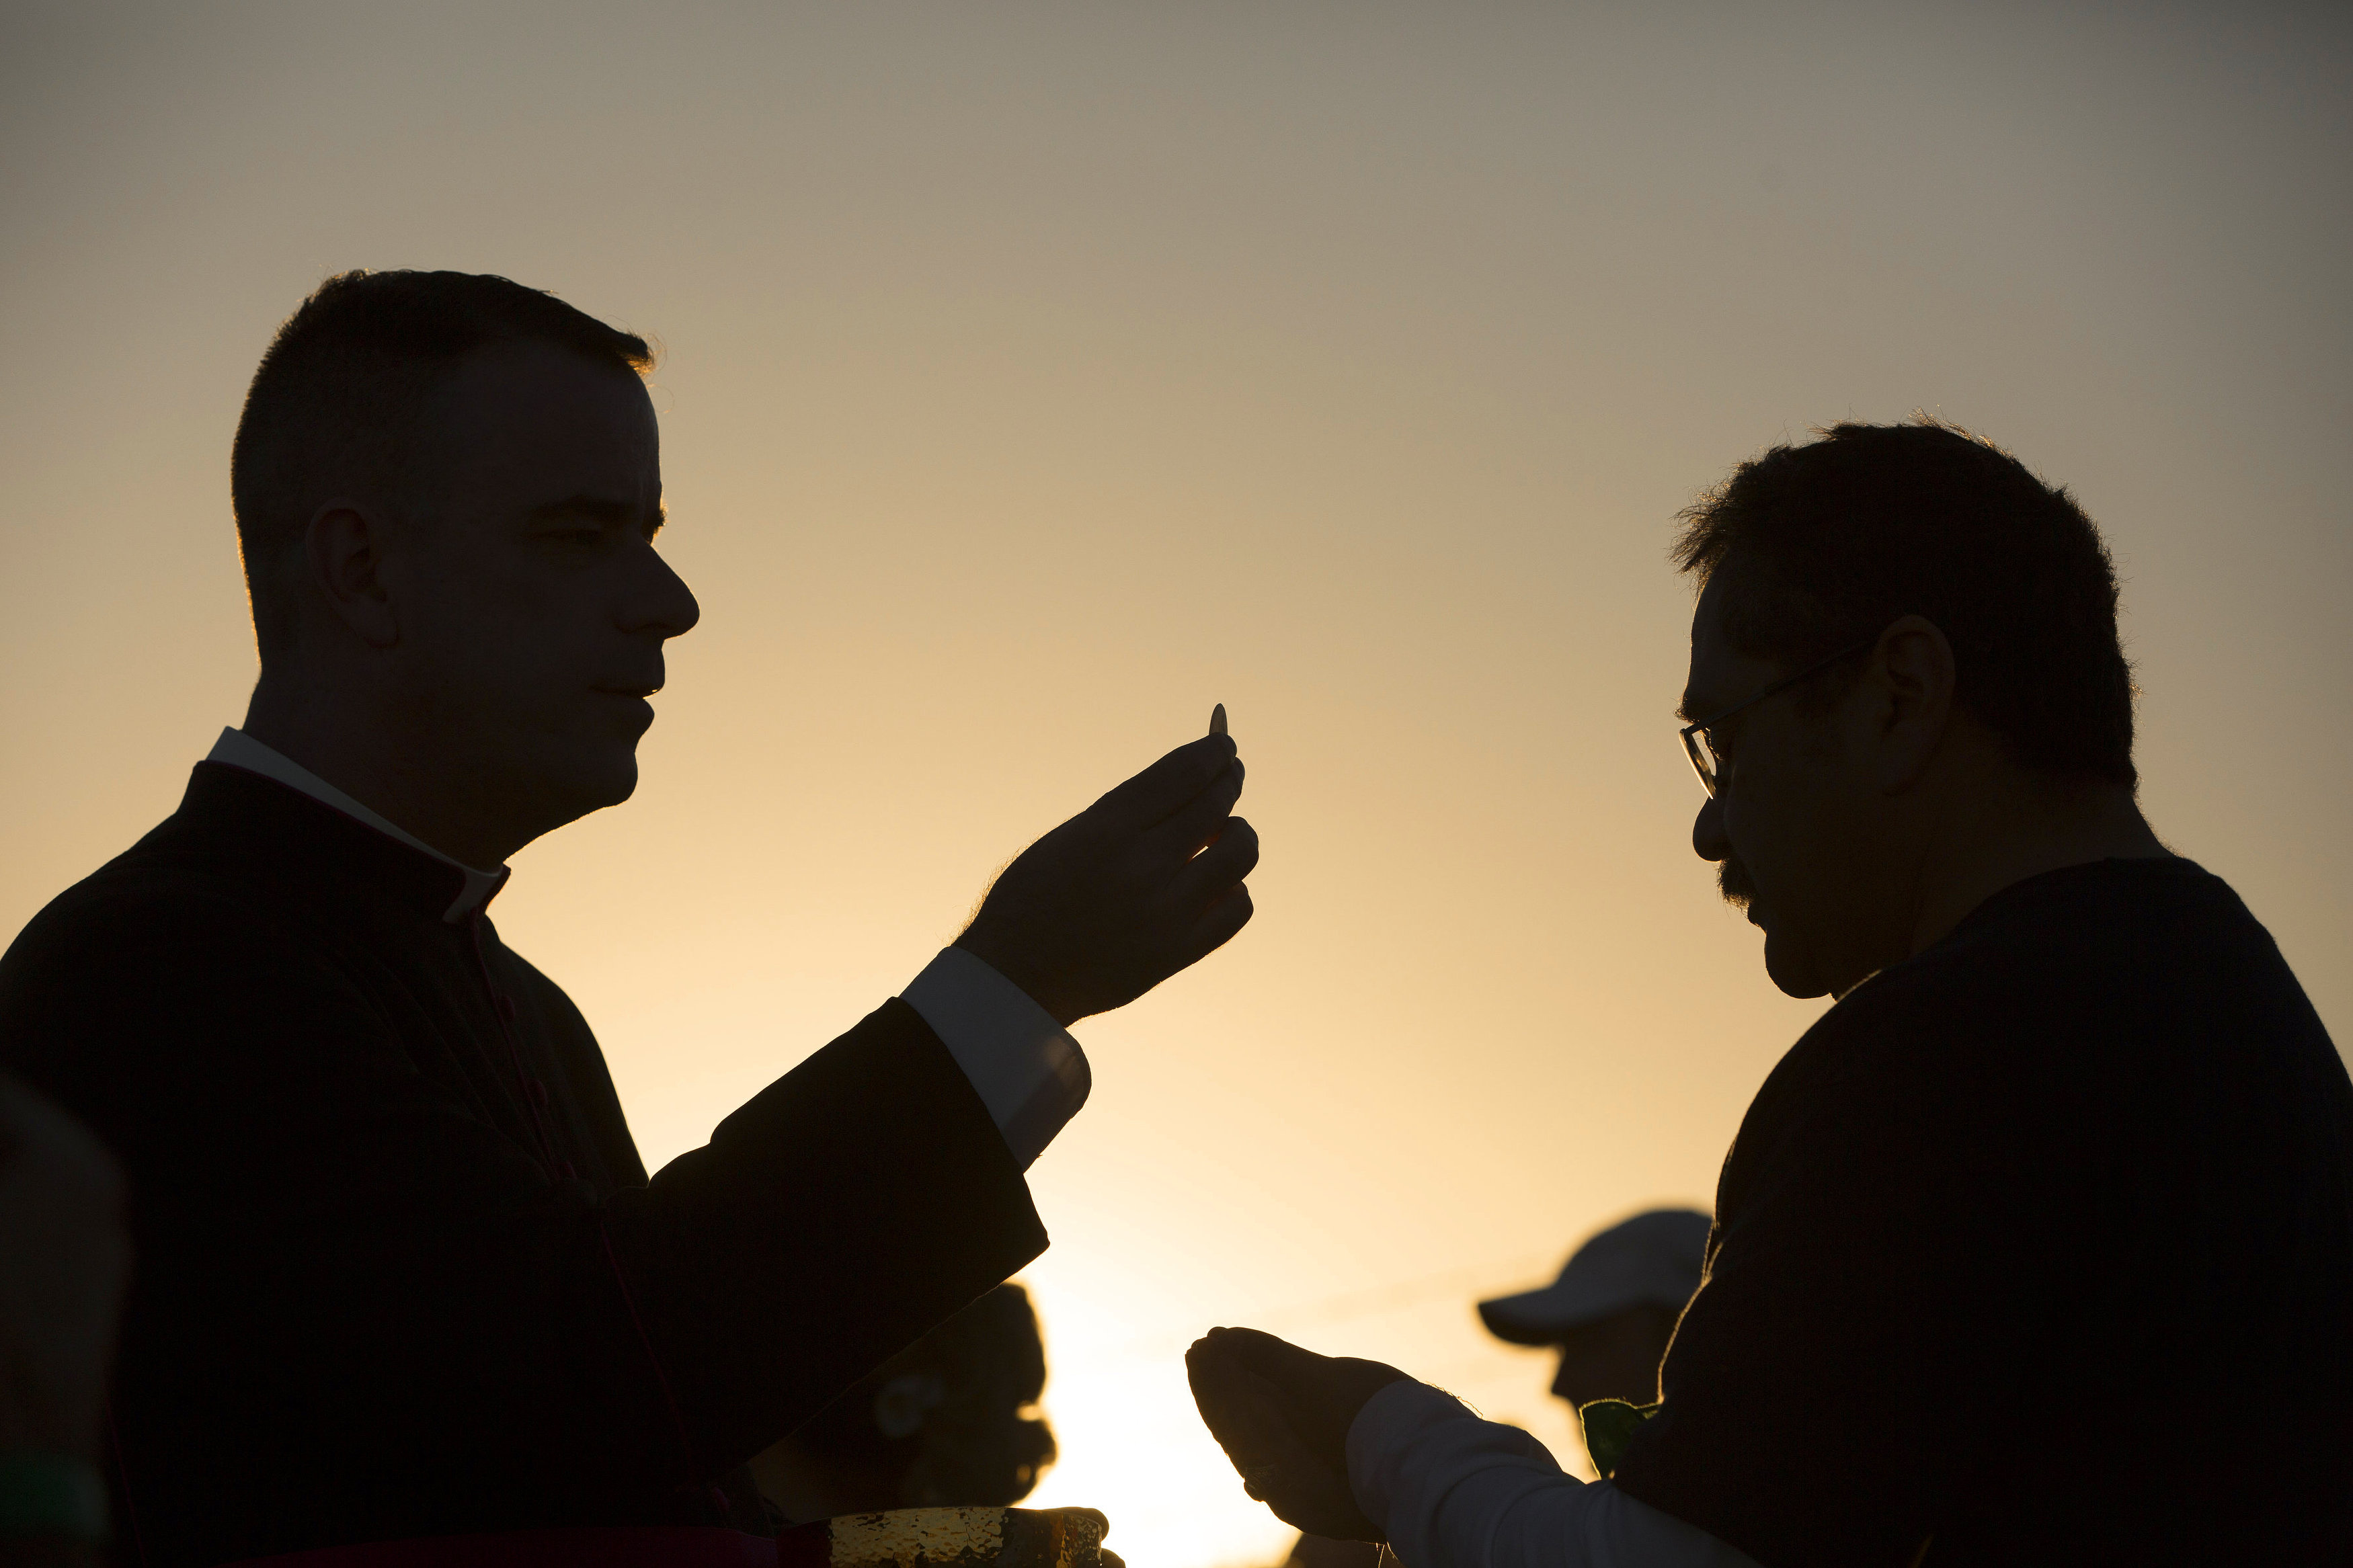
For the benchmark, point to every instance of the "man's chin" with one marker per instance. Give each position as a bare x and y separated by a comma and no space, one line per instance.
585,784
613,783
1789,964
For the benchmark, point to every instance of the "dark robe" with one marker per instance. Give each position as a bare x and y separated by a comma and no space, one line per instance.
400,1269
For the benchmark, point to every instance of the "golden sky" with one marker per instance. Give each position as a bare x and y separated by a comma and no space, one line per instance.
1038,375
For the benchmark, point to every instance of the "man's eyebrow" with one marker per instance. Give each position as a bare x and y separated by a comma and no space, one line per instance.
1690,708
606,509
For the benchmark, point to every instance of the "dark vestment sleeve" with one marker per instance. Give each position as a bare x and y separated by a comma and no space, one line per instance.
400,1272
2038,1247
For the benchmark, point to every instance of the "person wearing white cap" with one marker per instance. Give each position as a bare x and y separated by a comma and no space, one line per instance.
1613,1310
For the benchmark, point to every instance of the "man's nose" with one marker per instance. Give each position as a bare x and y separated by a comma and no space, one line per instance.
659,599
1708,840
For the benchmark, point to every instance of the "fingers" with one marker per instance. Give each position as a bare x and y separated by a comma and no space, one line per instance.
1196,822
1153,796
1231,855
1286,1373
1252,1419
1219,924
1302,1487
1213,878
1236,1409
1326,1392
1268,1356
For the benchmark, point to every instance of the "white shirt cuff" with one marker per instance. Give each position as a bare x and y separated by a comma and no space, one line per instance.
1027,1070
1453,1491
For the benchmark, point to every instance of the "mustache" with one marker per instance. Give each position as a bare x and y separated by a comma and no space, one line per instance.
1733,880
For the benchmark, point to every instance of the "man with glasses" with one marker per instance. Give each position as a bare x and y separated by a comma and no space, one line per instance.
2038,1246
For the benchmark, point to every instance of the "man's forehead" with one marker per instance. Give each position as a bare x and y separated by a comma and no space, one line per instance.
543,374
1720,674
540,424
1708,649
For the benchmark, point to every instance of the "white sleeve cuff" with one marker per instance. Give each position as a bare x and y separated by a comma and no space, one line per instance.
1453,1491
1027,1070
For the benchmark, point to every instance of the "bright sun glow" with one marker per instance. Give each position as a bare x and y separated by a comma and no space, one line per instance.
1135,1449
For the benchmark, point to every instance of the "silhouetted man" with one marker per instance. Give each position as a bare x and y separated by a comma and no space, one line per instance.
401,1272
2038,1246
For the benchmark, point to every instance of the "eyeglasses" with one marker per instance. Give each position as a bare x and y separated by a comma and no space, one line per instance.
1701,749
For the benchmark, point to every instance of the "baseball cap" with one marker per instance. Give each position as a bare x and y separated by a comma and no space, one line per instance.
1652,1260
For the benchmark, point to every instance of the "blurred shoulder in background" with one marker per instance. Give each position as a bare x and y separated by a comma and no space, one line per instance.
65,1257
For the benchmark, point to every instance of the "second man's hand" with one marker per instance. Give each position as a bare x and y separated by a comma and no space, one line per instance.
1138,886
1281,1413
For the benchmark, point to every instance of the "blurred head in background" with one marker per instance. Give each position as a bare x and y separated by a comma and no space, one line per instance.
1614,1307
949,1422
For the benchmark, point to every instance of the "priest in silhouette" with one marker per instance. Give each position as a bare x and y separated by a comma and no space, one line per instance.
401,1271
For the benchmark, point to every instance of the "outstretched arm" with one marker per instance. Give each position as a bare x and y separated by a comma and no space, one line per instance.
1357,1450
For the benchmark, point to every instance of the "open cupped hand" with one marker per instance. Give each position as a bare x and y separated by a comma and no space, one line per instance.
1281,1413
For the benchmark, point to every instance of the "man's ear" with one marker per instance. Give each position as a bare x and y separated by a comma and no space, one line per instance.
344,552
1914,672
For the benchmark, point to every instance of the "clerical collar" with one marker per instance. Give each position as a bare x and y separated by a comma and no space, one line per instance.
239,750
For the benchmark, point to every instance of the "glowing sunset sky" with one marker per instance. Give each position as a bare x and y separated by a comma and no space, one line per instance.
1037,376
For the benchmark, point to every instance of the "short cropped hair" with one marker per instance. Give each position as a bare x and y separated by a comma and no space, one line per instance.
339,402
1823,545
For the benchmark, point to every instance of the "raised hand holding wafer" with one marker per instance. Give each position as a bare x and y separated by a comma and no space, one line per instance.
1143,883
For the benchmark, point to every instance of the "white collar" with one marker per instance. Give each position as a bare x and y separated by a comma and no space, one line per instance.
239,750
